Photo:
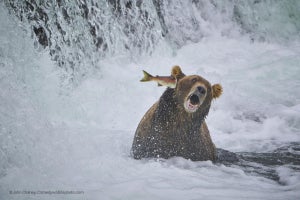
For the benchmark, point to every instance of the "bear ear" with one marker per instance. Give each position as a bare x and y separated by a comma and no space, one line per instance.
217,90
177,73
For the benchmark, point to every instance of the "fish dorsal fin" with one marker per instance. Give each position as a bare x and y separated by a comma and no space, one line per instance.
158,84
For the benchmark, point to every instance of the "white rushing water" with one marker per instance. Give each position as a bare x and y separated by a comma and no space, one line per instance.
55,138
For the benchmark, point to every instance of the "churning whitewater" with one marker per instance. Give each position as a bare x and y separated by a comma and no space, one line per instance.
71,100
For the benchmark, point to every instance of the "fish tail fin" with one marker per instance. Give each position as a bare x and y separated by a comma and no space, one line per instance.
147,77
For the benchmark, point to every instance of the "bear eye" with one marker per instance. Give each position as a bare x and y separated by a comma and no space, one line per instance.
194,80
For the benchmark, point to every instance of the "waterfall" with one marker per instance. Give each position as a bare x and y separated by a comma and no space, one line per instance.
79,33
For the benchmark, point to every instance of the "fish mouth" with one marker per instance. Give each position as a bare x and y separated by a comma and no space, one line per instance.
192,102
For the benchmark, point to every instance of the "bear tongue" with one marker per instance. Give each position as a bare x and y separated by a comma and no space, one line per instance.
191,106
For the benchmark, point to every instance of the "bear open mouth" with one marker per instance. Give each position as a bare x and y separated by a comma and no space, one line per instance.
194,99
192,103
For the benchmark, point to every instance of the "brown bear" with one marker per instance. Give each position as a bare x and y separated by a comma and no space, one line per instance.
175,125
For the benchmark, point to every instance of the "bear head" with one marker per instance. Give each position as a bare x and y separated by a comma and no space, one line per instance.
194,93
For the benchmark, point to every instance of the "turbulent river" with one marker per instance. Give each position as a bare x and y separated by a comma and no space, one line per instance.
70,97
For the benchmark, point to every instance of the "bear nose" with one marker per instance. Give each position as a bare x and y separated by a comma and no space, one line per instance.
201,89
